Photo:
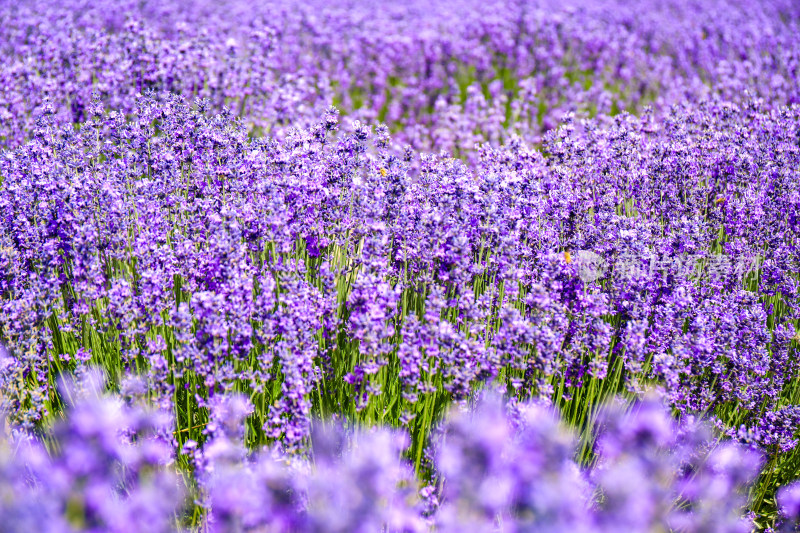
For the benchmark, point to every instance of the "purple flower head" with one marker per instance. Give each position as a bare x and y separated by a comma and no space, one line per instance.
647,426
788,499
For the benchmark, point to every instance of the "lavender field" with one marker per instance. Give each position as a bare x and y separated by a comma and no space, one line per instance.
356,266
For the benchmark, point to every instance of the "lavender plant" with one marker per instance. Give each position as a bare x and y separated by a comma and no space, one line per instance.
611,205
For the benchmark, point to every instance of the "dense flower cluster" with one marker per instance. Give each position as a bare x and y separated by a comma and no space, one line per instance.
444,76
174,245
319,275
214,213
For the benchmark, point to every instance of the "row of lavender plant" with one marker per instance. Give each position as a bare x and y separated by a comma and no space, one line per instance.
497,468
444,77
317,276
332,274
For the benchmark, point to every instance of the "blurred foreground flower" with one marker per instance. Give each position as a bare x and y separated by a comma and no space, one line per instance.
497,467
105,470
